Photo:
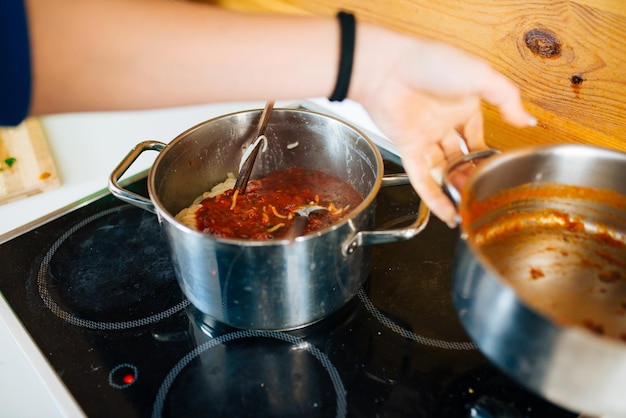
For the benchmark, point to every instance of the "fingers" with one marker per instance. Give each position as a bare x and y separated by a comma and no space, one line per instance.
473,131
435,138
425,165
431,193
501,92
478,79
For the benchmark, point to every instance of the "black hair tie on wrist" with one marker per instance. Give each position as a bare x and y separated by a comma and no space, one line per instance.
347,25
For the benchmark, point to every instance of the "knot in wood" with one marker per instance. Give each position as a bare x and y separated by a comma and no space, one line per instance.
542,42
577,79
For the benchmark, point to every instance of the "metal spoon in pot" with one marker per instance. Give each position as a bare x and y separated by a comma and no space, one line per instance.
301,220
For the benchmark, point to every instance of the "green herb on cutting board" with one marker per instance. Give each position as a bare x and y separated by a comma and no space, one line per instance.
8,162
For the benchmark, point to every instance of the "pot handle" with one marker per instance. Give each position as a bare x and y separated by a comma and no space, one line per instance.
447,185
391,235
126,195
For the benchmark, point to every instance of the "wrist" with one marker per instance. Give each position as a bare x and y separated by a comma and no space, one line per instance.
375,56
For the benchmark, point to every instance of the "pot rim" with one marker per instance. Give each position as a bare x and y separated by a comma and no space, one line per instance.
365,203
500,158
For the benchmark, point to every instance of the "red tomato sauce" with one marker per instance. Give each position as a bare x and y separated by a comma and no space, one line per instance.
474,209
266,210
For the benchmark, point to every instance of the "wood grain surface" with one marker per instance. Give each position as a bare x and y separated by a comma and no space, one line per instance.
567,57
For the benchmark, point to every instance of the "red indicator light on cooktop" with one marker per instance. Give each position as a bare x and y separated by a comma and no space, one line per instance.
128,379
123,375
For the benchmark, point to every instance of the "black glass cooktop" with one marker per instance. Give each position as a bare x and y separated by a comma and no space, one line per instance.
96,290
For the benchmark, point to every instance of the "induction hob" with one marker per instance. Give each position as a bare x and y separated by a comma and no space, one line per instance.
95,289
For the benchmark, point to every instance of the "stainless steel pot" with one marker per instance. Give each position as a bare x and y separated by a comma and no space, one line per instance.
267,284
532,270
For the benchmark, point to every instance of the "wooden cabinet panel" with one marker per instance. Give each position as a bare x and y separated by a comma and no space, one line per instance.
568,57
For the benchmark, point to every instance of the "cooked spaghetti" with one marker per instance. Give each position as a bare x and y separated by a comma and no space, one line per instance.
188,215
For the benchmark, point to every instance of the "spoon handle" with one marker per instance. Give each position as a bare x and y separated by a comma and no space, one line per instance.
297,228
246,168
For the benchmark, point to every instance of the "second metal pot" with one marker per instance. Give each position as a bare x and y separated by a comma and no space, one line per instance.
525,292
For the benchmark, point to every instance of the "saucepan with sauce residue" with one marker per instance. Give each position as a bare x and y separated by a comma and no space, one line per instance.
539,280
276,284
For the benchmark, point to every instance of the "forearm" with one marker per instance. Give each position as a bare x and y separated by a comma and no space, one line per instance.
170,53
131,54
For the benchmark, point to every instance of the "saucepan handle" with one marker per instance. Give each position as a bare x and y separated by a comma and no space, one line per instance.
126,195
390,235
448,184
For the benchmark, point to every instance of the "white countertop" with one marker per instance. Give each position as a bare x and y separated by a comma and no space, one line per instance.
86,148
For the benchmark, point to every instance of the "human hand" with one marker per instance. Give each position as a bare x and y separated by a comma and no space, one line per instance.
423,94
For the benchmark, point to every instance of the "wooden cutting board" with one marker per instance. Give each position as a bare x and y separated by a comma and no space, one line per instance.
26,164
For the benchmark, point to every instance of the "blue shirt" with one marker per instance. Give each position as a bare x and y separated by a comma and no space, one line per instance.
15,71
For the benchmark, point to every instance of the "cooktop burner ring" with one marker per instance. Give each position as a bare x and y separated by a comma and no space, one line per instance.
52,305
340,391
431,342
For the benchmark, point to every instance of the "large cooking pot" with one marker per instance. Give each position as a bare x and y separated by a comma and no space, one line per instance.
275,285
539,279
